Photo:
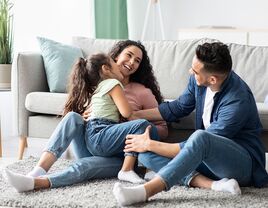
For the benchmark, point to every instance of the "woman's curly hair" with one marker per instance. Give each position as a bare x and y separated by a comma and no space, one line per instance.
145,74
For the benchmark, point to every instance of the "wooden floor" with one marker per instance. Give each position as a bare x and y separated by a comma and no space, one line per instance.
10,147
10,150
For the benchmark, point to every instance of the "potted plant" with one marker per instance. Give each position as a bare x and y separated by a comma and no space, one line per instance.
6,43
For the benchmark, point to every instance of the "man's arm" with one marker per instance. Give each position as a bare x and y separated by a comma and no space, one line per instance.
143,143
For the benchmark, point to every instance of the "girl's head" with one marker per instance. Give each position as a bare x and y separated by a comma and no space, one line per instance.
86,75
134,63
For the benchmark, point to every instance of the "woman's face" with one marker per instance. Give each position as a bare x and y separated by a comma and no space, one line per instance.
115,71
129,60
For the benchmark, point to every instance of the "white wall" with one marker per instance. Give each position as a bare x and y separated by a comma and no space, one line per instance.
62,19
193,13
55,19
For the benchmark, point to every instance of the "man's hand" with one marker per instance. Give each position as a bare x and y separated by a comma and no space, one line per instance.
138,143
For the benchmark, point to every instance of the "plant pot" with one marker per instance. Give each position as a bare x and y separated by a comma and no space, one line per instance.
5,76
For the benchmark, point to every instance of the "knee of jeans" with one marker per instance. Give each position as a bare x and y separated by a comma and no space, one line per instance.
142,125
154,133
74,118
199,137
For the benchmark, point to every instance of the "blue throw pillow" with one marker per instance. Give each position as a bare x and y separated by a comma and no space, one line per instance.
58,59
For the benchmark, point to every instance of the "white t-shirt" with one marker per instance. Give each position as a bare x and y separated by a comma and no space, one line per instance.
209,102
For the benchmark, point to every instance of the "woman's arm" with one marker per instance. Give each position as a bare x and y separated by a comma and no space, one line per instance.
147,100
120,100
152,114
143,143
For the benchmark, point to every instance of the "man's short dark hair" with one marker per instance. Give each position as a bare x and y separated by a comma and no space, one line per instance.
215,57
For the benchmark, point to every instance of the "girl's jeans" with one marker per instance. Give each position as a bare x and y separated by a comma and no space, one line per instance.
107,138
211,155
72,129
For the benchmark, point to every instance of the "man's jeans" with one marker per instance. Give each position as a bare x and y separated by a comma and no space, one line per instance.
213,156
72,128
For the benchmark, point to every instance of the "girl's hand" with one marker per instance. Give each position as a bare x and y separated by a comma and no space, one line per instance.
86,114
138,143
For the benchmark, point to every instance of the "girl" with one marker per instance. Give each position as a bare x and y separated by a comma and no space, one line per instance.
97,81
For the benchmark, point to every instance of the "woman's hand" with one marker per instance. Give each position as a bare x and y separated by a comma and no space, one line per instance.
138,143
133,116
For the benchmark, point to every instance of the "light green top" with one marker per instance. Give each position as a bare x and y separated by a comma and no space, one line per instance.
102,104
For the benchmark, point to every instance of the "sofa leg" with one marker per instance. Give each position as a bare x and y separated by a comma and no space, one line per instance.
22,145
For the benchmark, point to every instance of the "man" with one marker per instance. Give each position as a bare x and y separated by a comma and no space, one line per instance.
226,144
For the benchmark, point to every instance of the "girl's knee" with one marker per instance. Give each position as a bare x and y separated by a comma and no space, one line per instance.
154,133
144,122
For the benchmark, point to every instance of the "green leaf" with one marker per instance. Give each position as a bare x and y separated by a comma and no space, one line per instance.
6,32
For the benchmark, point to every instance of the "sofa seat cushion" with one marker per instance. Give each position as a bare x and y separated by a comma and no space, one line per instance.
46,102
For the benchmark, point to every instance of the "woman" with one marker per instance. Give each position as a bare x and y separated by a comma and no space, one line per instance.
139,81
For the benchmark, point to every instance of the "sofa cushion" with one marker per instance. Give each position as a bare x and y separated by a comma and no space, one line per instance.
251,64
58,61
46,102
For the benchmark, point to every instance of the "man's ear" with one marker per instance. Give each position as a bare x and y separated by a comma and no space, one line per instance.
213,80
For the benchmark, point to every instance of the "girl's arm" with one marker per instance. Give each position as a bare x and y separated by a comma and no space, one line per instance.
120,101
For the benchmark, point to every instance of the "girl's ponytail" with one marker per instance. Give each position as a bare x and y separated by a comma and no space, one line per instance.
83,81
78,88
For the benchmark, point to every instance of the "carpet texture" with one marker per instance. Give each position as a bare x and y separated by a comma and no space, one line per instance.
98,193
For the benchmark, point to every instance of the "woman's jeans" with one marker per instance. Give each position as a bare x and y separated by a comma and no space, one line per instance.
211,155
72,128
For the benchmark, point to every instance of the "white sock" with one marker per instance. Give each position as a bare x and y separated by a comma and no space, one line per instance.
149,175
37,171
20,182
129,176
226,185
129,195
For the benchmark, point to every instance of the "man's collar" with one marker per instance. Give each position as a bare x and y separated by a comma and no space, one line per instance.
226,81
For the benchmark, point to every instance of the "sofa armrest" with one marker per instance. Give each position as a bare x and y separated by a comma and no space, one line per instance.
28,75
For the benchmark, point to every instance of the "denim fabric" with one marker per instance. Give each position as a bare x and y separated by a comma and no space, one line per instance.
234,116
211,155
85,169
107,138
70,129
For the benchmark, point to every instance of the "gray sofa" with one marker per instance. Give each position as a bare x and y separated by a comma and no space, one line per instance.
36,109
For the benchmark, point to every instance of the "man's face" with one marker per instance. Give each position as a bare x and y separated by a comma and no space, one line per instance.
202,77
